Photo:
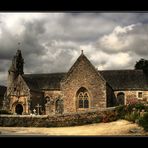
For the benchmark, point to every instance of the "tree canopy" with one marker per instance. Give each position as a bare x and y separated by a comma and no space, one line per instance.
142,64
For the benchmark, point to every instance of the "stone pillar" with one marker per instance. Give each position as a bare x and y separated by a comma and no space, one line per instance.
47,109
50,108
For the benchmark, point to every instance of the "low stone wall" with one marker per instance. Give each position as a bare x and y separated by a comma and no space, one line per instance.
58,120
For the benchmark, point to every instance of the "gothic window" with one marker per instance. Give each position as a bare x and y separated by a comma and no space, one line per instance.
86,96
81,103
86,103
83,98
80,95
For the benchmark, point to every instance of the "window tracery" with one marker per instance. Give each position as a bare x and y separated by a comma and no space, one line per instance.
83,98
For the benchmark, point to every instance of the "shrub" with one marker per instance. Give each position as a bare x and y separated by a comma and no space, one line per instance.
132,116
109,116
121,111
139,106
97,120
143,121
130,107
131,101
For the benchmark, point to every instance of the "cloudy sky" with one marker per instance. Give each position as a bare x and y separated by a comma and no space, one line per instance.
51,42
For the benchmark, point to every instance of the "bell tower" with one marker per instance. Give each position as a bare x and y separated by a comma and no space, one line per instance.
16,68
19,63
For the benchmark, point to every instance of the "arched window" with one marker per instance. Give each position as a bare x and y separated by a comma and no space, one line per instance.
120,98
47,99
81,103
59,108
86,102
83,98
80,98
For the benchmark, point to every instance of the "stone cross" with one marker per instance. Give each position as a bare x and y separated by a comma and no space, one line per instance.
34,111
38,108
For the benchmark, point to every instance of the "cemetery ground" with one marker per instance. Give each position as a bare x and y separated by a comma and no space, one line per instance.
116,128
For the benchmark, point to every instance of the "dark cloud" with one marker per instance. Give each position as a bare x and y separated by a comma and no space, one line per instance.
51,42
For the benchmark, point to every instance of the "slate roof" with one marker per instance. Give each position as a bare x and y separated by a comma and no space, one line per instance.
117,79
49,81
126,79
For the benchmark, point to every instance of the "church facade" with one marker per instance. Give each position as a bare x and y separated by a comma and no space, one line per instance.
82,88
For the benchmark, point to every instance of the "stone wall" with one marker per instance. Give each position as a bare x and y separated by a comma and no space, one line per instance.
131,94
57,120
14,100
18,93
53,95
110,96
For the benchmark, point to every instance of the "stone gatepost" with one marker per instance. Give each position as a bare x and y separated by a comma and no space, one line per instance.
49,108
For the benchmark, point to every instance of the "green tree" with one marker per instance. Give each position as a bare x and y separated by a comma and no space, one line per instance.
142,64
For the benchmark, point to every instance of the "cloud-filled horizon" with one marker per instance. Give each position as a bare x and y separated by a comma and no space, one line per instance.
51,42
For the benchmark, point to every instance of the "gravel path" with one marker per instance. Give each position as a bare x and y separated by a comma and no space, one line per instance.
120,127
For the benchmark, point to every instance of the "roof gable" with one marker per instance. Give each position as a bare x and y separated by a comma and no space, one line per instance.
81,58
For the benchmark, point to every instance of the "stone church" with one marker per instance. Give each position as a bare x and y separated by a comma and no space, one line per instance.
82,88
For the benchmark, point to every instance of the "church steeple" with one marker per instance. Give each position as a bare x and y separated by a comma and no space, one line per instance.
17,63
16,67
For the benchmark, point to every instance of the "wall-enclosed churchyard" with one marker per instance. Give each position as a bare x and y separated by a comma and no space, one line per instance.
80,96
72,119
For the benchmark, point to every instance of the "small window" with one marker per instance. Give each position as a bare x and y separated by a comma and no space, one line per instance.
139,94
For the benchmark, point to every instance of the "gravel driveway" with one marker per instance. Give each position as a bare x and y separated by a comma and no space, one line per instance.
120,127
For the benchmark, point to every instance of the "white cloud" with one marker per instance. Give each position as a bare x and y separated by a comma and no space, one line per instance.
118,61
117,39
51,42
104,61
